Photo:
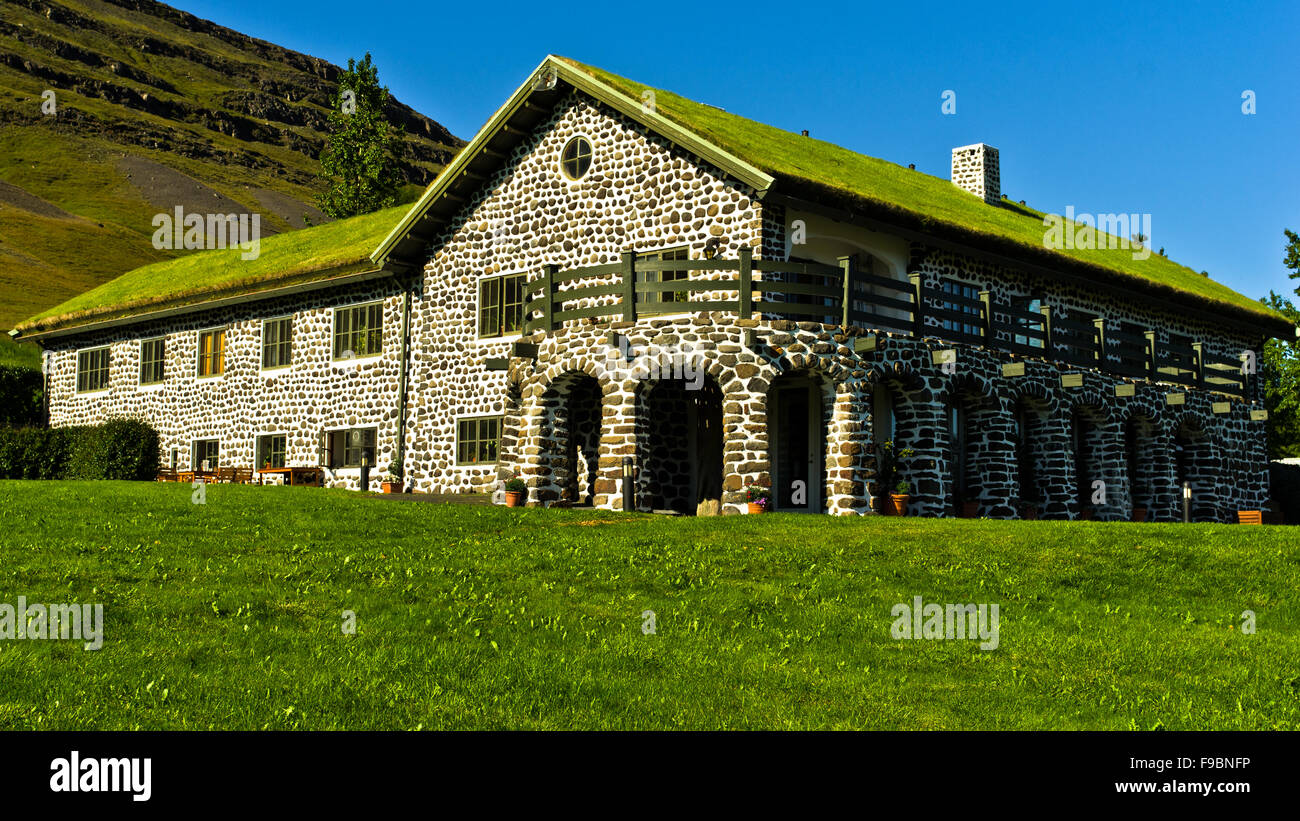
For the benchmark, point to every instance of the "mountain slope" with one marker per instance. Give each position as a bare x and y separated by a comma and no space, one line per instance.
153,109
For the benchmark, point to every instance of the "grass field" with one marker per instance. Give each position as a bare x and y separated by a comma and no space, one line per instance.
228,615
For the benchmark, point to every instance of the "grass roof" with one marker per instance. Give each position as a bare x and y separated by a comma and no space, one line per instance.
803,162
292,257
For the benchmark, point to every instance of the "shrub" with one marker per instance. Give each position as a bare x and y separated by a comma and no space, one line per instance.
20,396
118,449
1285,481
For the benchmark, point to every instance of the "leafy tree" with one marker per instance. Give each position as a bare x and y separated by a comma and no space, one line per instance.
358,166
1280,369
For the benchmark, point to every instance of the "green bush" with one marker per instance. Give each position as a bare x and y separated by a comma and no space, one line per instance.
1285,481
119,449
20,396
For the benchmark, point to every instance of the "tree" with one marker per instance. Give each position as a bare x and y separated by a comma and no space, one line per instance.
357,165
1280,369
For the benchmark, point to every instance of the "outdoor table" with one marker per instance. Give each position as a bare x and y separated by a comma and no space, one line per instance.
295,475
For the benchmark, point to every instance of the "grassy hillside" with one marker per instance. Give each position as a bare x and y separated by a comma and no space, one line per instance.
229,615
154,108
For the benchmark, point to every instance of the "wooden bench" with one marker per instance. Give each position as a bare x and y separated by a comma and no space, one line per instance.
1250,517
167,475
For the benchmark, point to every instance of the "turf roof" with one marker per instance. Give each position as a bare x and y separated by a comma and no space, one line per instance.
804,163
301,256
801,165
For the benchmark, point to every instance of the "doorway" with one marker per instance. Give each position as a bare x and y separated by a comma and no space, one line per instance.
797,438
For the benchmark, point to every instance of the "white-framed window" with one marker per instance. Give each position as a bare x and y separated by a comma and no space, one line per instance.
277,343
152,357
358,331
92,370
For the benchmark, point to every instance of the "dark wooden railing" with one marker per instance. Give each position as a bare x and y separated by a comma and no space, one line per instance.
842,295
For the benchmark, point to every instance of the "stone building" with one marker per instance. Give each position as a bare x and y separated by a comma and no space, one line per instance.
610,277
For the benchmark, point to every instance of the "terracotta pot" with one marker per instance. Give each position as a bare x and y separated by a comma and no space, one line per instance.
755,507
898,504
391,487
1029,514
515,498
970,510
1086,514
1139,514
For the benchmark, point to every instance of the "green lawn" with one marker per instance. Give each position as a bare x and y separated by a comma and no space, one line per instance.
228,615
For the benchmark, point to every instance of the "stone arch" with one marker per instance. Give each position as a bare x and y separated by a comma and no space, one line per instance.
977,436
1038,441
904,415
1093,458
679,437
570,415
800,407
1142,459
1194,461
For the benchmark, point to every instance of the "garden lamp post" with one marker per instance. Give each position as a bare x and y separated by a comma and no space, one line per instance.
628,502
1187,502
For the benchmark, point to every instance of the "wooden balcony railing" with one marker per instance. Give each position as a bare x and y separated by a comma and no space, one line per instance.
842,295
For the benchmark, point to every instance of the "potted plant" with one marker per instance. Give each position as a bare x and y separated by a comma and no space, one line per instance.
516,492
899,498
758,498
393,484
888,462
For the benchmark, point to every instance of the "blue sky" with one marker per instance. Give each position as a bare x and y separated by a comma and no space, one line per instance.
1108,107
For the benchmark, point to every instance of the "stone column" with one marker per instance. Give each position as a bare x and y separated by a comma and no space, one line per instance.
848,439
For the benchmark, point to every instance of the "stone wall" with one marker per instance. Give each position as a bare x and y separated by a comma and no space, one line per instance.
922,391
315,394
641,194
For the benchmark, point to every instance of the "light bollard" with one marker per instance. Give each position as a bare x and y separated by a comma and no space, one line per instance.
629,504
1187,502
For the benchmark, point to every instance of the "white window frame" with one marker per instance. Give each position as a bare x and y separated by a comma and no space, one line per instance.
334,319
108,378
261,344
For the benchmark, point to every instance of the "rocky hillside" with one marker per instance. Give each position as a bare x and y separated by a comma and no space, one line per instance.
112,111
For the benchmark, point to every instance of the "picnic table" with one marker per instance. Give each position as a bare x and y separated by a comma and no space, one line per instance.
296,475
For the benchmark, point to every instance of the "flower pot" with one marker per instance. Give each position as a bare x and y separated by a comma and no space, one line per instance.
514,498
898,504
755,507
1139,514
970,510
1086,514
391,487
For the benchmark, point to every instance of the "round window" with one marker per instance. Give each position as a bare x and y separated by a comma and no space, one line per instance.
576,158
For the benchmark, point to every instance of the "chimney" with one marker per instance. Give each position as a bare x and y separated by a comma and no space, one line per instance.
975,169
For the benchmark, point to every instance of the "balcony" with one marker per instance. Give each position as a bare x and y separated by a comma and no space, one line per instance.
633,289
